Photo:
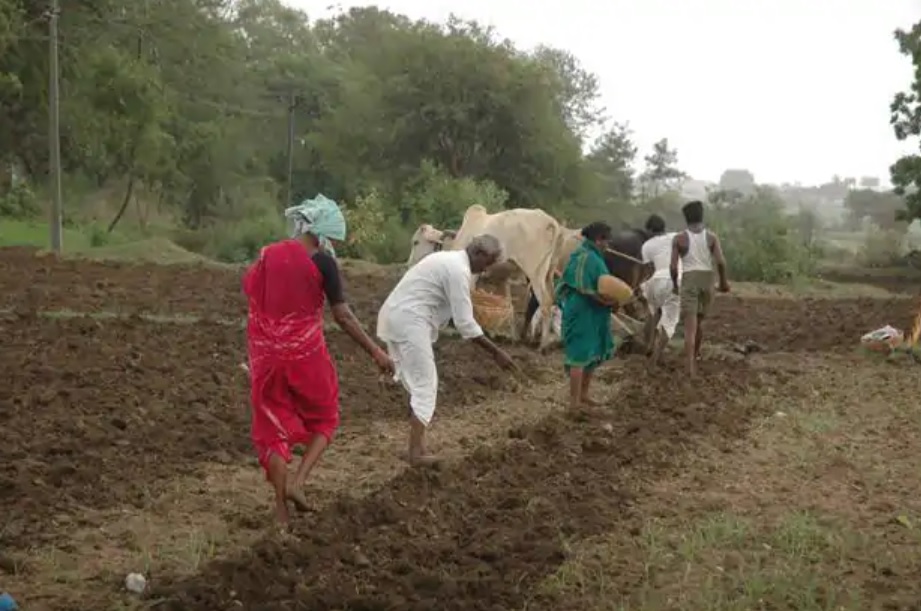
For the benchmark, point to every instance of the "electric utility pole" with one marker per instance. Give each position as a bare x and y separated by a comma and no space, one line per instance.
54,132
292,106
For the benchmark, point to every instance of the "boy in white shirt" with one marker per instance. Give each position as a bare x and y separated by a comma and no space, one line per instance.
664,304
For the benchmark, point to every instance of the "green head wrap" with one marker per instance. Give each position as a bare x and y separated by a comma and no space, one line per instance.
320,217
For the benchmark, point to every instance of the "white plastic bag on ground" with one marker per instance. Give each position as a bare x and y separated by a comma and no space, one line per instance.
884,339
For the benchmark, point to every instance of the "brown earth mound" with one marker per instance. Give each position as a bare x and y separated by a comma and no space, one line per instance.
898,280
31,280
480,534
805,325
97,413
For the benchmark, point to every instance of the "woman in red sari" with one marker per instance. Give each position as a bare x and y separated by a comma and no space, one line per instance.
295,389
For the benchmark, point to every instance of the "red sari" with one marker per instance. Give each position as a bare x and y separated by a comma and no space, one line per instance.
295,389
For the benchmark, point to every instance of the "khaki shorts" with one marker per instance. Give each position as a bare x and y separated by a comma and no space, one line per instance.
696,292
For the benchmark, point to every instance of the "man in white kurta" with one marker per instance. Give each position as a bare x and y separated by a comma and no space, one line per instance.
432,292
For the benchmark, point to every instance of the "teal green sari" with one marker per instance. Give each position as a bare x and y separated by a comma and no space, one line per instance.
587,339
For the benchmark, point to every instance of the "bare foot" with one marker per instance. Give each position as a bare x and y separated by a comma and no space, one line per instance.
298,499
589,402
282,517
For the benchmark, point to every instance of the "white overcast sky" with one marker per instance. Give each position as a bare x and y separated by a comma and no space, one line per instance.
793,90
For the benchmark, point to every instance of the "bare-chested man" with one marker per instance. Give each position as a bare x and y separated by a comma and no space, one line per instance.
698,250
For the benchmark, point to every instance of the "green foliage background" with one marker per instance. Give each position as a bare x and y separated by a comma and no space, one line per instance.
175,116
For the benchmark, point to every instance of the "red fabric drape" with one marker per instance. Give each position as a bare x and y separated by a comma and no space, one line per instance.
294,386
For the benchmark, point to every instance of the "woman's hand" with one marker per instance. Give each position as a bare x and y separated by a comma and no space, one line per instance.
384,362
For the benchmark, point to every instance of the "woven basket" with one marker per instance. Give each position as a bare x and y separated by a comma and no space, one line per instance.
492,312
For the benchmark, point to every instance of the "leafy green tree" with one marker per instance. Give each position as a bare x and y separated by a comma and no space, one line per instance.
577,90
662,173
611,160
190,104
906,121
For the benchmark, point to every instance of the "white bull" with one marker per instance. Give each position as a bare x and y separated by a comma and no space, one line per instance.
427,240
530,239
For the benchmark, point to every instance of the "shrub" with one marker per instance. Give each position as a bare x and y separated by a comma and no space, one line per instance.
366,222
761,242
381,230
881,247
233,242
98,236
19,203
438,199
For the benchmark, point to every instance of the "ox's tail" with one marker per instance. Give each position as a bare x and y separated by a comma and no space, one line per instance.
546,261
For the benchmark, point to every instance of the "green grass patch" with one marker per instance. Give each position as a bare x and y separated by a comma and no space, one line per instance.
152,250
94,242
719,562
38,234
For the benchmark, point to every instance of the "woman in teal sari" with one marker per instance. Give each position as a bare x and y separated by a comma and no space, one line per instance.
587,338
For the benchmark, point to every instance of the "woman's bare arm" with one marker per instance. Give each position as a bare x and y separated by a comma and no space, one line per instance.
347,321
342,313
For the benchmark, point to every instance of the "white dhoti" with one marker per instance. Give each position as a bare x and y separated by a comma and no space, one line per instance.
414,362
659,295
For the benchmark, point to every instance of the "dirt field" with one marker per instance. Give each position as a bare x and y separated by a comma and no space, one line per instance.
131,288
783,480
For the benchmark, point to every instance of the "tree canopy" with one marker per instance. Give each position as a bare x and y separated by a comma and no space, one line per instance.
906,121
188,104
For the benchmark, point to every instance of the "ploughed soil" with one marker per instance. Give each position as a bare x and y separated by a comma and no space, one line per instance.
99,413
33,280
905,280
805,325
482,533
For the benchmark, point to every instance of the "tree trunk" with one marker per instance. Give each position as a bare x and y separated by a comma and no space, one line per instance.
132,156
128,192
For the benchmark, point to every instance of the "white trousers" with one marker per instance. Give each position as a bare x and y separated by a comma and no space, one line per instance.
414,362
658,294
